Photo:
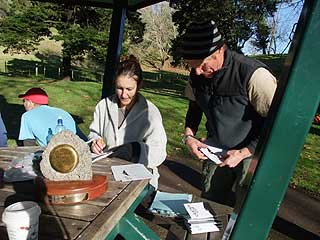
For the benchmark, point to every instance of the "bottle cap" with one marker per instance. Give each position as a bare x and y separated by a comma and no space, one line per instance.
59,120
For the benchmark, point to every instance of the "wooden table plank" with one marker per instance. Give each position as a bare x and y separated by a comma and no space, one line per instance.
51,227
92,219
110,216
80,211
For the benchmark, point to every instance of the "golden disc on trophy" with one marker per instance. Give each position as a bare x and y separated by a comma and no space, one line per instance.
63,158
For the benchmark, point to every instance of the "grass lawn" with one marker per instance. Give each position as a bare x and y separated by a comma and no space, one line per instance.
80,98
307,171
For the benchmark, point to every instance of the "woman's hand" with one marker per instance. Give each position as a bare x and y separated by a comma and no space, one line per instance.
234,157
193,145
98,145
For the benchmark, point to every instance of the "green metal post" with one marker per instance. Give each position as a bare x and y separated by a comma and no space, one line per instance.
114,46
131,227
290,118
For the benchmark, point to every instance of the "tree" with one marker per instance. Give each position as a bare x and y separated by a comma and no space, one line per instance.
4,8
154,50
274,23
237,20
281,34
83,30
20,32
261,36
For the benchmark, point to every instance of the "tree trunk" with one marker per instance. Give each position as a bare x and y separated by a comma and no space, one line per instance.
66,64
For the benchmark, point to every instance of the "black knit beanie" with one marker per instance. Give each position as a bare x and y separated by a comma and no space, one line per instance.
200,40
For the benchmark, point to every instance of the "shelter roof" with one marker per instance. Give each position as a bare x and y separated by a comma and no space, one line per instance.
130,4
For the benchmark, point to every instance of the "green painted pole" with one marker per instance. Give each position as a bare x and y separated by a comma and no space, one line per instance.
133,228
114,46
289,121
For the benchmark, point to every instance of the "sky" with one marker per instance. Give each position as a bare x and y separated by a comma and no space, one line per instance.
286,16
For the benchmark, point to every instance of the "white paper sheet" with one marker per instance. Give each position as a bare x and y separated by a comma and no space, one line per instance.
130,172
197,211
203,227
200,220
213,153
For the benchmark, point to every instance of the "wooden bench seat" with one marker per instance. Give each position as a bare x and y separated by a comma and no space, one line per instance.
176,229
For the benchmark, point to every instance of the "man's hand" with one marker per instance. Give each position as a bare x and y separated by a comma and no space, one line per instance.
234,157
98,145
193,145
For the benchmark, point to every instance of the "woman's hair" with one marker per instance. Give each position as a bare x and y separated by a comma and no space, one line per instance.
130,67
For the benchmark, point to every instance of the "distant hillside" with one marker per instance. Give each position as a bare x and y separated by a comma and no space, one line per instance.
49,54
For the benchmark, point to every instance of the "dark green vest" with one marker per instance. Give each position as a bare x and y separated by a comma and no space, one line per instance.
231,120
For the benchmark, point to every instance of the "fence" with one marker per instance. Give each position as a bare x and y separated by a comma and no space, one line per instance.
34,69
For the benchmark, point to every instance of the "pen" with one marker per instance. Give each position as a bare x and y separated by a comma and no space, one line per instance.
89,141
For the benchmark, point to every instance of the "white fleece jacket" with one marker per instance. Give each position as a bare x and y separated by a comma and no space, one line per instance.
143,124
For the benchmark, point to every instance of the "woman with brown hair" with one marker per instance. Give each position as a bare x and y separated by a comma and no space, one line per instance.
130,122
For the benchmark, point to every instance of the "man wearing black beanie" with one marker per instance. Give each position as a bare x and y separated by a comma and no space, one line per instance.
235,93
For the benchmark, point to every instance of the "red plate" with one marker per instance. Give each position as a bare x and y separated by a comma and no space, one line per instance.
68,192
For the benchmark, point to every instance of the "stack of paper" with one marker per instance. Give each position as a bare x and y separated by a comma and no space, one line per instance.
170,204
200,220
130,172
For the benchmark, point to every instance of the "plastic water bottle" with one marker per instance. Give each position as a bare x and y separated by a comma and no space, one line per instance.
60,127
49,136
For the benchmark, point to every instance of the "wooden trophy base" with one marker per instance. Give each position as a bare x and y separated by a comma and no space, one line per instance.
68,192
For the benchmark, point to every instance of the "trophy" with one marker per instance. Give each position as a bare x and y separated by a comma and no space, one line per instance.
66,169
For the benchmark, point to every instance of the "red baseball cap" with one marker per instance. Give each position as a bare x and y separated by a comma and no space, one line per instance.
36,95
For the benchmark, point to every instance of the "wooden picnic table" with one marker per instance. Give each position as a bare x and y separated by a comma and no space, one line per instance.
102,218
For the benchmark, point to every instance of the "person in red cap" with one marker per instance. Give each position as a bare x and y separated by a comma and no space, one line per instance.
39,120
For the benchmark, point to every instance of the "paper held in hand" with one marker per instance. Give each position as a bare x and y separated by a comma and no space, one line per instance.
213,153
130,172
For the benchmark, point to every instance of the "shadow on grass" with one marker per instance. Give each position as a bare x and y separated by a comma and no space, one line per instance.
49,66
315,130
28,68
165,80
165,83
11,115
